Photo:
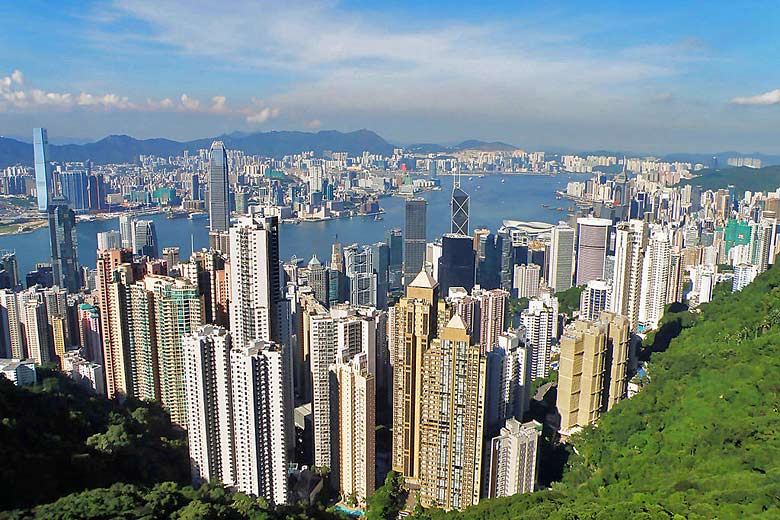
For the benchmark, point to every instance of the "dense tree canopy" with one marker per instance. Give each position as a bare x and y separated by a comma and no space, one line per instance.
56,439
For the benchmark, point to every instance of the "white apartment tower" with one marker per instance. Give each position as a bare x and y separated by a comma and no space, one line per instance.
209,405
630,245
261,388
256,311
655,279
513,459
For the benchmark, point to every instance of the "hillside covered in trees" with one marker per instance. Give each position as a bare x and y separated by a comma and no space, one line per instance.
743,178
701,441
56,439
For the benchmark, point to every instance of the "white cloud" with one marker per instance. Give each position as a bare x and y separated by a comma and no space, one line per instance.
344,61
218,104
187,103
767,98
262,115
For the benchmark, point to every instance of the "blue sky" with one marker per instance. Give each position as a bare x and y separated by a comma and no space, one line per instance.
652,77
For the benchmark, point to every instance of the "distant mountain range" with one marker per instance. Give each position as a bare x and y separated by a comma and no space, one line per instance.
126,149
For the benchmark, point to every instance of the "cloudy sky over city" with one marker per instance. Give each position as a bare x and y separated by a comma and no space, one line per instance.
671,76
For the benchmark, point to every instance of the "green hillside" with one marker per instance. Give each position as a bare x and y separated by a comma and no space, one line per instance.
743,178
701,441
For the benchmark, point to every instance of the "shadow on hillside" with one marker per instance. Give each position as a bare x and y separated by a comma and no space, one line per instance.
552,454
676,318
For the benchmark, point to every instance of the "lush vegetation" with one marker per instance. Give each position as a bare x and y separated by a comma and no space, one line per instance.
166,500
388,500
57,439
569,300
700,441
743,178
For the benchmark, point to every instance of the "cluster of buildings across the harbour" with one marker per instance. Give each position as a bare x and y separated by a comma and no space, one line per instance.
282,372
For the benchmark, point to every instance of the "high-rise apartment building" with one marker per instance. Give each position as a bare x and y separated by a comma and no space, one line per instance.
112,282
412,328
452,419
526,280
561,257
594,298
239,413
261,386
540,321
208,392
219,198
630,245
354,433
655,279
43,177
256,309
414,238
514,459
592,374
592,246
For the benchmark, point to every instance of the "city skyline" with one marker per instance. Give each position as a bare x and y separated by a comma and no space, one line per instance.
602,75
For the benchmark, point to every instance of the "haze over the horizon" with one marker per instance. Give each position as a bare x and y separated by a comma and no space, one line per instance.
575,75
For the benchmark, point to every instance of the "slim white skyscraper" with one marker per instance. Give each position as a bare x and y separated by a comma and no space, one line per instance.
219,197
256,311
655,279
561,257
43,177
630,245
594,299
209,405
540,320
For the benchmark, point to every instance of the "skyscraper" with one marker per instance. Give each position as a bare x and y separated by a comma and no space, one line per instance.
355,391
75,189
414,238
126,231
452,419
592,244
43,177
261,386
209,401
256,311
219,199
145,238
561,257
239,413
412,327
655,279
64,245
456,264
459,204
540,320
109,240
630,244
394,239
113,276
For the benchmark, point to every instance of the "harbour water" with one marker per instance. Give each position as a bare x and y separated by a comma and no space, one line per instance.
493,200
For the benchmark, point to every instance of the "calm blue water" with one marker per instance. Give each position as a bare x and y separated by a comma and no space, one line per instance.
518,197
